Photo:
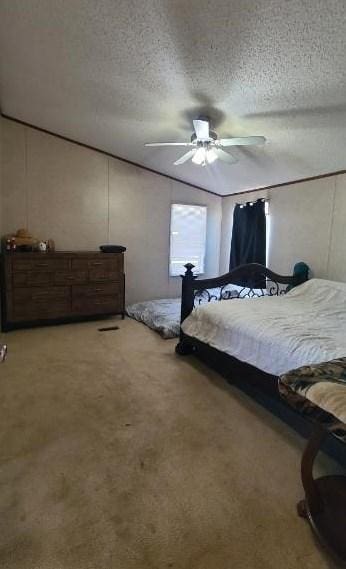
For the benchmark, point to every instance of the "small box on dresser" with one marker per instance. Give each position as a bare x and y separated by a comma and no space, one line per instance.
48,288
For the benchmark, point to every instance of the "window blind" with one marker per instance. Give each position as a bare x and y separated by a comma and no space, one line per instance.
188,238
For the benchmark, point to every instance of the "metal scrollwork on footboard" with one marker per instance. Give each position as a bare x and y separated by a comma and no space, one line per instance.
230,291
228,294
202,296
246,281
274,289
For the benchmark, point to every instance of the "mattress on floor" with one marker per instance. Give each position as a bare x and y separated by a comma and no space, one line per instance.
161,315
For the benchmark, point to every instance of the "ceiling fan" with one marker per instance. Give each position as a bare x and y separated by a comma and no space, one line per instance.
207,147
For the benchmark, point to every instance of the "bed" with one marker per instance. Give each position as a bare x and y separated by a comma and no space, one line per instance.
282,323
307,325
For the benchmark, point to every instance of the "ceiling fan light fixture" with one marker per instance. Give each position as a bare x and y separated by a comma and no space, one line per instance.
211,155
200,156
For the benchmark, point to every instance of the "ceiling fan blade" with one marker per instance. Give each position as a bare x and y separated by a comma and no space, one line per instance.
201,129
185,157
222,155
242,141
168,144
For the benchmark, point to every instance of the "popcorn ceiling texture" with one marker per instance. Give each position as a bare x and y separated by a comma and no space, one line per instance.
118,74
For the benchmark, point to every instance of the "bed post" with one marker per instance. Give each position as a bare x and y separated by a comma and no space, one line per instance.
187,302
300,272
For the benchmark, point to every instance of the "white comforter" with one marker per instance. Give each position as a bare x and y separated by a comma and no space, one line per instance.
277,334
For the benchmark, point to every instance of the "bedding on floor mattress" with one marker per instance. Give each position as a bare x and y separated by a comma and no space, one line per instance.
277,333
161,315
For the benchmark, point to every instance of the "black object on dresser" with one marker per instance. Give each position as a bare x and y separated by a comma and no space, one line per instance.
48,288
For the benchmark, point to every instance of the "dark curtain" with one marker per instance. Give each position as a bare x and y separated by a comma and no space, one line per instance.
248,235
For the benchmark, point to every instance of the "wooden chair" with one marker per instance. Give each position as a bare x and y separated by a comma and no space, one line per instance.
324,505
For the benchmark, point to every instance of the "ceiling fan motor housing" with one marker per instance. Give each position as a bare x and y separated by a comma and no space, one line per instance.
212,137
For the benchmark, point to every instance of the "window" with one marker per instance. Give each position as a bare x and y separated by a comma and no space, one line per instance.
188,238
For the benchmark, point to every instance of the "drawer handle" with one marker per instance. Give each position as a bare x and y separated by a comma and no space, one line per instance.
95,263
42,264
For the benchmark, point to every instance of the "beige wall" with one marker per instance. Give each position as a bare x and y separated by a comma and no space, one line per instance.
81,199
306,223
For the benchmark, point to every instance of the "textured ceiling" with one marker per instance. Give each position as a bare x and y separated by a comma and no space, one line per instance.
116,74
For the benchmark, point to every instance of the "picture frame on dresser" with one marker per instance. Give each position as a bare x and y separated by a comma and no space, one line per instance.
43,288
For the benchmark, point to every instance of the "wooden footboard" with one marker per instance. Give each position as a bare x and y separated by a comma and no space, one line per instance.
252,280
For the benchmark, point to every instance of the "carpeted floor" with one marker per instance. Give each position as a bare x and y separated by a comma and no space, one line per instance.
118,454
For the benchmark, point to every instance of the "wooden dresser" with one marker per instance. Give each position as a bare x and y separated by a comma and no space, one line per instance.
47,288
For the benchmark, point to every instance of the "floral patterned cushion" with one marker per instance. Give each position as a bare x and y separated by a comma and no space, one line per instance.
319,392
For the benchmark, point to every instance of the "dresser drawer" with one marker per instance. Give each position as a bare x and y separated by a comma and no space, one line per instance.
69,278
97,305
103,275
39,294
41,303
90,291
41,309
99,263
43,264
31,279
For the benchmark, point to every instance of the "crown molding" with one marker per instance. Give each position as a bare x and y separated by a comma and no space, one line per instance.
109,154
194,186
289,183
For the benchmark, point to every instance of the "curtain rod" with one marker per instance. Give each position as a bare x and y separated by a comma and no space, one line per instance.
251,202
